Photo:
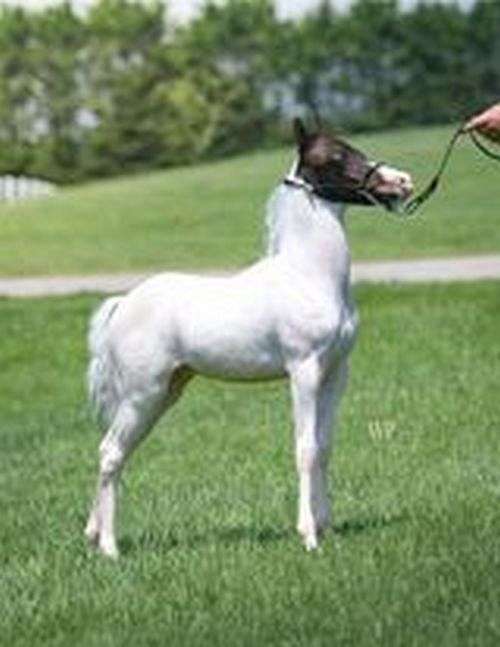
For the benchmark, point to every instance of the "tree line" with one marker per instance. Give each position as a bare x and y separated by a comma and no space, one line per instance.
121,89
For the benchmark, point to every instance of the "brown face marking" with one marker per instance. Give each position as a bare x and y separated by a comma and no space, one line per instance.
333,167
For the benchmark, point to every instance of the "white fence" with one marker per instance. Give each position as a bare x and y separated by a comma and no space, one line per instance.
13,188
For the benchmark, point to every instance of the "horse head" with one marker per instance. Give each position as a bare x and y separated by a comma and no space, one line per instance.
336,171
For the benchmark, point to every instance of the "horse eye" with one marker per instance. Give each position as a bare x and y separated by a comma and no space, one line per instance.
337,157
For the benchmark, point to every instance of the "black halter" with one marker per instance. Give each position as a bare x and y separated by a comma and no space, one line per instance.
359,194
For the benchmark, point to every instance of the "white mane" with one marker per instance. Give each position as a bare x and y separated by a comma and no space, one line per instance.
288,206
273,222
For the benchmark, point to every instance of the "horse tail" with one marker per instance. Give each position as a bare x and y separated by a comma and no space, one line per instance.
102,376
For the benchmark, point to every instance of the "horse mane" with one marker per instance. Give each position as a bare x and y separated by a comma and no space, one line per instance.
277,216
288,206
273,222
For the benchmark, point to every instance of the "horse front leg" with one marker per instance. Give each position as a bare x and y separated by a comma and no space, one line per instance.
331,392
306,389
316,398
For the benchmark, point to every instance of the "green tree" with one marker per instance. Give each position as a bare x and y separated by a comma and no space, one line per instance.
483,54
308,60
17,106
372,41
124,62
121,90
229,60
435,65
59,38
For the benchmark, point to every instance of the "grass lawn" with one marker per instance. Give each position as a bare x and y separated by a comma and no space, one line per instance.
210,556
211,215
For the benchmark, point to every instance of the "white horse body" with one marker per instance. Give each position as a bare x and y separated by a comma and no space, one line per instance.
252,325
289,315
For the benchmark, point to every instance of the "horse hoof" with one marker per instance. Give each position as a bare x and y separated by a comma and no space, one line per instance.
92,535
110,551
311,543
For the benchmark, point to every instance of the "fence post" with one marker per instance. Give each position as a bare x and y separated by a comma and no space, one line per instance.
14,188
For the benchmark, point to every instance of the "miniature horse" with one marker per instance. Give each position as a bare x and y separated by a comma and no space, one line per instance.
290,315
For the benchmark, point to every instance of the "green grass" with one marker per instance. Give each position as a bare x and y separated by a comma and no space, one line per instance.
211,215
210,556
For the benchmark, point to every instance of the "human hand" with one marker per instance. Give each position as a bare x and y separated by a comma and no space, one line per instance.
486,123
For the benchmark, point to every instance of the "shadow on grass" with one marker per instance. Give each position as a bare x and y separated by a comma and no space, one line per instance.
164,542
366,524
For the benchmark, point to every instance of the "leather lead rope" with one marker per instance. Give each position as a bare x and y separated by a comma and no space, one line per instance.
484,149
413,205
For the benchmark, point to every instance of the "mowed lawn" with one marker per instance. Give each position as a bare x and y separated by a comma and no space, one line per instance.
211,215
210,555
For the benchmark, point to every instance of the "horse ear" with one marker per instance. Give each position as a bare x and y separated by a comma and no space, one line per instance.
300,131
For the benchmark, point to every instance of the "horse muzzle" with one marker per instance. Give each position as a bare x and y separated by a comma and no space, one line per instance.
391,188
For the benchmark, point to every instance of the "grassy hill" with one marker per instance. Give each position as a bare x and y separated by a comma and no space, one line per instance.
211,215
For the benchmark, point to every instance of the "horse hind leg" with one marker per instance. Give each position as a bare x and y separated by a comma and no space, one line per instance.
122,436
134,418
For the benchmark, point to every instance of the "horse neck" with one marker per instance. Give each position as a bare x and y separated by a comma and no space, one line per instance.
309,234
